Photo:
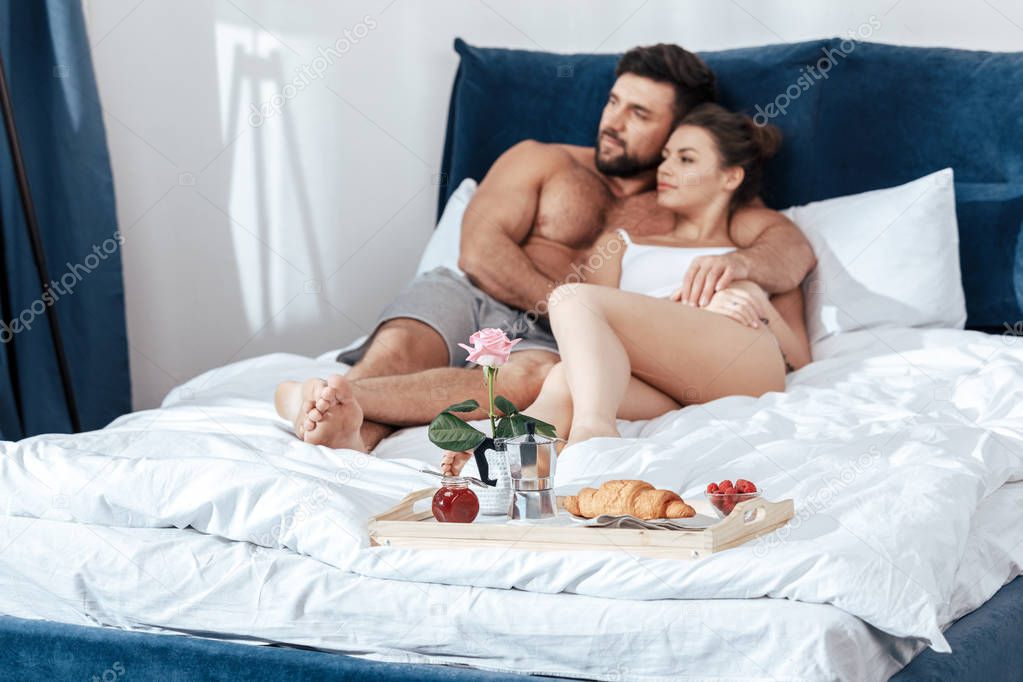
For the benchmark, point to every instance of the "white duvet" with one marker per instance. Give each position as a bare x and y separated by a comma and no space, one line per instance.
892,451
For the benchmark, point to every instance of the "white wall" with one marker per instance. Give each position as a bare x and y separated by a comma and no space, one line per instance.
290,235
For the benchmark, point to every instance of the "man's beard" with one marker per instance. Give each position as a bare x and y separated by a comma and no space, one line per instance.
624,165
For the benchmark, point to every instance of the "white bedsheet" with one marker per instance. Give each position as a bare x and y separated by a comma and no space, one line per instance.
889,450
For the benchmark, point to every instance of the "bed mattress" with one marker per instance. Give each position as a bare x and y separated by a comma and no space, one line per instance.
182,582
110,528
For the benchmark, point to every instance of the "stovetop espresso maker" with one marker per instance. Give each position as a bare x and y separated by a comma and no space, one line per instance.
532,459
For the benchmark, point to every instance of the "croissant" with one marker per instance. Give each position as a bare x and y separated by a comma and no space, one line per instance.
634,498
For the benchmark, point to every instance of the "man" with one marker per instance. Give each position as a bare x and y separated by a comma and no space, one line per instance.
535,215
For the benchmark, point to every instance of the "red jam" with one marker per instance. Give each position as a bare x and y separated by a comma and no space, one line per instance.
455,503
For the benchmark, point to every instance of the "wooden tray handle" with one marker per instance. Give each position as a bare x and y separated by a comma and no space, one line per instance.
403,510
755,517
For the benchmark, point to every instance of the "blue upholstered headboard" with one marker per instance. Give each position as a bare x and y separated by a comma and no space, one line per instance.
883,116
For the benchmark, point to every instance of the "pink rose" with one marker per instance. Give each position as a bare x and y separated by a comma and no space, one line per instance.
490,347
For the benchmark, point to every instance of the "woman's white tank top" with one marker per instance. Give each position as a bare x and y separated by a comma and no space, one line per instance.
657,270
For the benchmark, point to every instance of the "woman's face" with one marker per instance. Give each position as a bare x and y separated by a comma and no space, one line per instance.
691,177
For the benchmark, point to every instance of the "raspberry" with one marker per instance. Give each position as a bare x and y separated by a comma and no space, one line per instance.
744,486
727,483
719,502
712,487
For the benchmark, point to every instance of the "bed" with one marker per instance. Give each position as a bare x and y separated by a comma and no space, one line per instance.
201,540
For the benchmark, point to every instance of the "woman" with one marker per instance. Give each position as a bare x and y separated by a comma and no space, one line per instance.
629,348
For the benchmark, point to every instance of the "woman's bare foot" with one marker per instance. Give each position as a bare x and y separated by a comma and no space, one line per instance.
584,429
452,462
334,417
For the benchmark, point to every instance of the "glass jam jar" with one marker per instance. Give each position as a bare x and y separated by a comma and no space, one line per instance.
455,502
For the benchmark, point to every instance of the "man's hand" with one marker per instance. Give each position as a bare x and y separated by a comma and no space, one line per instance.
708,275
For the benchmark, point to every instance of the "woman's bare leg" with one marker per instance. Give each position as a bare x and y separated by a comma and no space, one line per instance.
643,401
554,406
597,367
606,335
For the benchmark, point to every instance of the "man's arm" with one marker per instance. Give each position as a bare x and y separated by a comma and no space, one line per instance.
777,255
772,252
791,329
603,264
498,220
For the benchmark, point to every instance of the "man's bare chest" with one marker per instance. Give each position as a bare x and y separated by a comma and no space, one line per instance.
572,207
576,206
640,215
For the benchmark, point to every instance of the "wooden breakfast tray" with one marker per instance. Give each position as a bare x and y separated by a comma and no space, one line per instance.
401,526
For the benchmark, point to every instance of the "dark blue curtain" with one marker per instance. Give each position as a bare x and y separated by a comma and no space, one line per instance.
60,127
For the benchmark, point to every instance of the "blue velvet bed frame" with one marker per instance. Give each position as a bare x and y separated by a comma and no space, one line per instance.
885,115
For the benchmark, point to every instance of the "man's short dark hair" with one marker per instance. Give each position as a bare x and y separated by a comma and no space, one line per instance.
694,82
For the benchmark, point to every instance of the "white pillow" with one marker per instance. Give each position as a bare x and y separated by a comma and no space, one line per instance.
443,247
887,258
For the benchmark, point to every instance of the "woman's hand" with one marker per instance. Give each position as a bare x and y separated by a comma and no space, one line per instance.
709,274
452,462
743,301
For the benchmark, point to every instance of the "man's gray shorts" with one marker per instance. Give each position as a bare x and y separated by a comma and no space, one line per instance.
455,308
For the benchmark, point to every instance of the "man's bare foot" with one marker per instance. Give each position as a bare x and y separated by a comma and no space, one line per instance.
334,417
294,399
452,462
584,429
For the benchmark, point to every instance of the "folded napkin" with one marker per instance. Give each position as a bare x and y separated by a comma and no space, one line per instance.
698,522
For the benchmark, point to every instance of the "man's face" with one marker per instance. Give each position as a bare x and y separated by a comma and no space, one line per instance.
634,126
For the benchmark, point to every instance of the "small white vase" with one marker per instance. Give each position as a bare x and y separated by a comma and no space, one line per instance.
496,500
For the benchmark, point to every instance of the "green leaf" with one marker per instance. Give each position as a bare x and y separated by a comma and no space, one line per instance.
515,425
542,427
506,406
505,428
448,432
464,406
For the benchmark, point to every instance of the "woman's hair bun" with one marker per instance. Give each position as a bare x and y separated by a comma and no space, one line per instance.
767,138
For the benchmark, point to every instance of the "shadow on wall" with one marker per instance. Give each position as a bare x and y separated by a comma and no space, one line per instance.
231,268
249,72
